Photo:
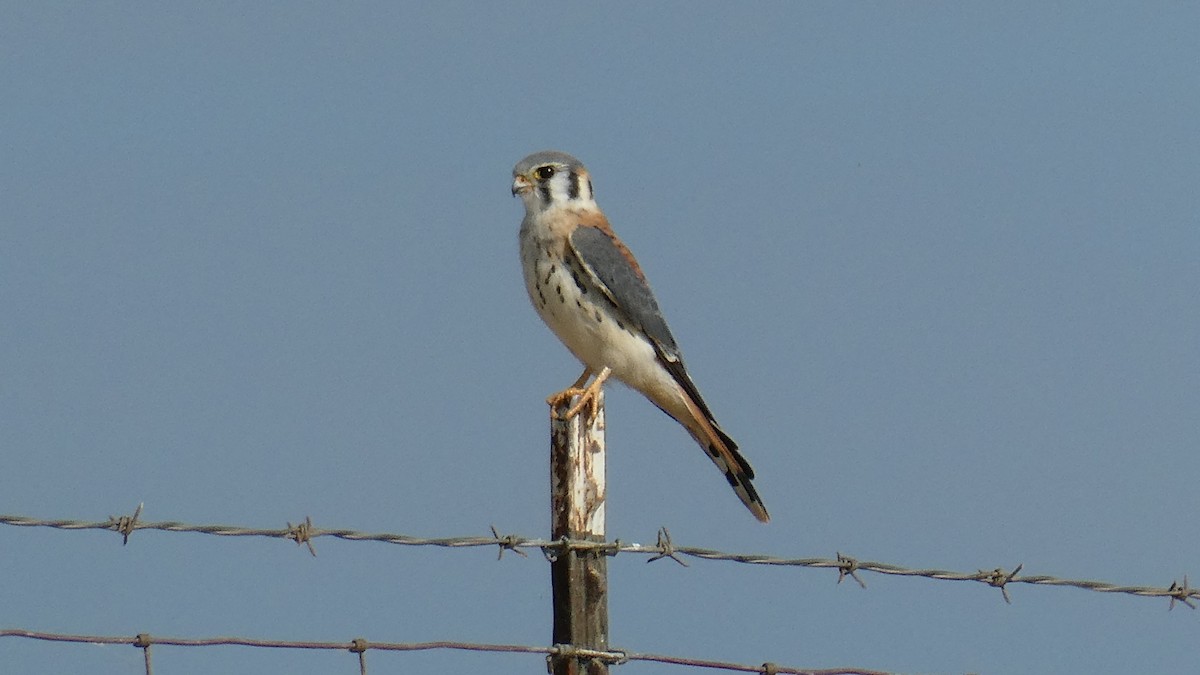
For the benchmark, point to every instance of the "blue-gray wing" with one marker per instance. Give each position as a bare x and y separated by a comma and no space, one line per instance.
604,260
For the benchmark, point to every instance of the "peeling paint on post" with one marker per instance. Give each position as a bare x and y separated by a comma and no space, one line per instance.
579,578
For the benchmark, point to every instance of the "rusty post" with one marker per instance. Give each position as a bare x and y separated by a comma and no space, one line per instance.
579,578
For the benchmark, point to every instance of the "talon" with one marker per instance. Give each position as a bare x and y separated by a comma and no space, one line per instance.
587,395
562,397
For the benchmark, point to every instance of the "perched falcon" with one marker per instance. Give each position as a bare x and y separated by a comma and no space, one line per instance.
588,288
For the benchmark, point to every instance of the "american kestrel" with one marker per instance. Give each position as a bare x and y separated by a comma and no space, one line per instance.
589,289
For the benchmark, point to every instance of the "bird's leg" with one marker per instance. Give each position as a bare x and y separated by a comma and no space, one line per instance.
590,395
578,385
558,398
587,395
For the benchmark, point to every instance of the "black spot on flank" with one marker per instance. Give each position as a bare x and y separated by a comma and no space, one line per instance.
620,325
599,319
578,303
573,188
578,282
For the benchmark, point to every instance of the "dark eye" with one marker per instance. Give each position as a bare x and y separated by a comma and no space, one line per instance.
544,172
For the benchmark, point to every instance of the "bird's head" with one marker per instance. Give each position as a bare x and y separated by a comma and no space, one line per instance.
550,179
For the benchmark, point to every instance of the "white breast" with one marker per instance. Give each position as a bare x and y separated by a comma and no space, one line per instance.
585,322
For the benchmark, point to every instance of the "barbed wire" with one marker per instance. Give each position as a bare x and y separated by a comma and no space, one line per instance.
360,646
304,533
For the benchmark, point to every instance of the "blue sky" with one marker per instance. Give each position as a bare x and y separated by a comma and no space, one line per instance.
934,266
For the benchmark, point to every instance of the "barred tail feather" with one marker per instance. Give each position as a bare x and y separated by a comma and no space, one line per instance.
721,449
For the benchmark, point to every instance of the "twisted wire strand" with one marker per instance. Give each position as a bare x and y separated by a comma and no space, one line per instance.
359,646
305,533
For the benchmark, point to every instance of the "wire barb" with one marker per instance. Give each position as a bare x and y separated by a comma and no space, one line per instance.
142,641
302,534
125,525
1180,594
848,567
508,542
665,548
359,646
552,549
998,578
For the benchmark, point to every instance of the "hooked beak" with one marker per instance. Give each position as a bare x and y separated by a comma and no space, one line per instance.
521,185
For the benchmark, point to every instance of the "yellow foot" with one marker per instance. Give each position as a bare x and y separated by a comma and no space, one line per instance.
588,395
565,396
